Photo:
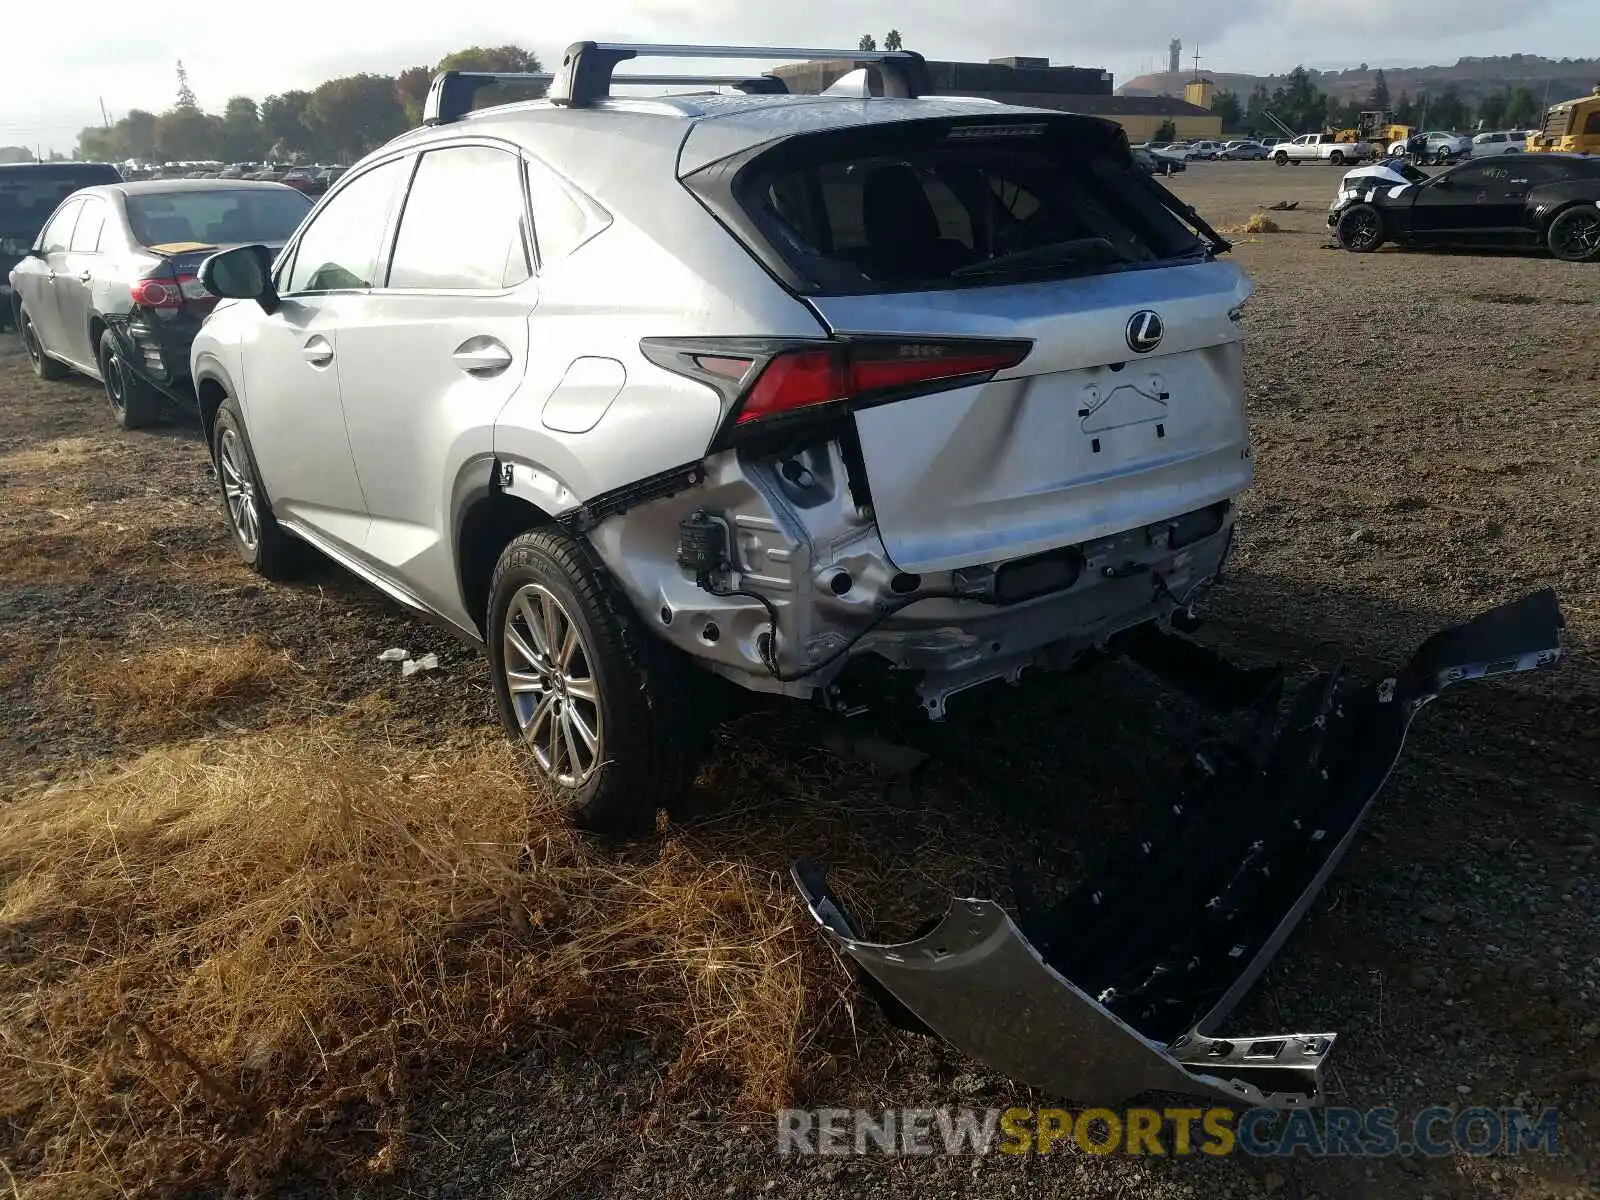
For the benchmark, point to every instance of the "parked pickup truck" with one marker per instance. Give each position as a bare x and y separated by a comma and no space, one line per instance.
1318,147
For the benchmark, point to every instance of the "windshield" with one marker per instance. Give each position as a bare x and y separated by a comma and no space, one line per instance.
215,217
29,194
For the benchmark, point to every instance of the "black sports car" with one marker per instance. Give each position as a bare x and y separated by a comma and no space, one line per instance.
1535,200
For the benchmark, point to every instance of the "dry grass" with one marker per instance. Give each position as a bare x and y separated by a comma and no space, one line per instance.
1259,223
52,455
171,692
210,955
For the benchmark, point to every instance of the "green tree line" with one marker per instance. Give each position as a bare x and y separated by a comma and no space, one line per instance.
1305,108
338,121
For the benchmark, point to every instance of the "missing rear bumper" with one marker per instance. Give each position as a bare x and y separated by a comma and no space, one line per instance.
1116,989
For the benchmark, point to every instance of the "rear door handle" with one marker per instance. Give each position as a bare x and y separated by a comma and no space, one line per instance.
482,357
84,277
51,277
318,351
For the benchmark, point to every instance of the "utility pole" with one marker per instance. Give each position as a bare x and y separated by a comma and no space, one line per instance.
105,118
1197,64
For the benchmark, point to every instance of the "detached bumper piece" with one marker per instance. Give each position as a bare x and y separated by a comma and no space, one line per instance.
1114,990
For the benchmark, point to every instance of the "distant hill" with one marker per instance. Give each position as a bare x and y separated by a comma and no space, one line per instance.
1472,78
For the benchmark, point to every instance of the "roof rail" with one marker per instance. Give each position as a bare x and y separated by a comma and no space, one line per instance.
586,73
451,94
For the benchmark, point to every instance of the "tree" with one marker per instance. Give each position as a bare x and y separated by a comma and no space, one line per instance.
1226,105
242,137
1523,109
892,40
1405,112
1447,111
1492,109
187,135
137,134
1301,104
1379,99
411,86
185,92
867,42
284,123
349,116
498,58
1166,131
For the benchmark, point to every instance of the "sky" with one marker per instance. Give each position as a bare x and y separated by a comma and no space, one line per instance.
57,85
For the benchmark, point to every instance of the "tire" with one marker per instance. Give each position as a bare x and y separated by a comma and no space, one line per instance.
1337,158
1281,159
602,708
1360,229
134,403
261,543
1574,234
44,366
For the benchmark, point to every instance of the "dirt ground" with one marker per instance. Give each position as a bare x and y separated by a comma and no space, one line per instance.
1428,445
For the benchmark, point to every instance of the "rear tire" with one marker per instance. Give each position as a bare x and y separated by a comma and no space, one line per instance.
1337,158
1574,234
1360,229
134,403
44,366
261,543
603,708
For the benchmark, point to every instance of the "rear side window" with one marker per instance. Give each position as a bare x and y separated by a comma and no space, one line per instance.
340,249
560,226
463,225
935,204
91,221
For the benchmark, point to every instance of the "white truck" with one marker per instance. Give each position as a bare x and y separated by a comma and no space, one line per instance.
1319,147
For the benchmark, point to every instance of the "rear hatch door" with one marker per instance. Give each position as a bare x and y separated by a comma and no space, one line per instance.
1127,410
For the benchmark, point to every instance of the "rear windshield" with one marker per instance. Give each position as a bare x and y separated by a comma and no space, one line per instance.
217,216
947,205
29,194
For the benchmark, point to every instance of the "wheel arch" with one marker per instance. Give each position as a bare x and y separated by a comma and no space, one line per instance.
211,388
488,517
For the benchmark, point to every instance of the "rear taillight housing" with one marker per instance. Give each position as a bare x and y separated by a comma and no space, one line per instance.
770,385
167,295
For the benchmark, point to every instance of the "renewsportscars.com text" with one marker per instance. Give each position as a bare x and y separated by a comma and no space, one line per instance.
1177,1132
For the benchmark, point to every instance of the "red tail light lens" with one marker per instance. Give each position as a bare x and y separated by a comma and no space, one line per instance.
804,378
158,293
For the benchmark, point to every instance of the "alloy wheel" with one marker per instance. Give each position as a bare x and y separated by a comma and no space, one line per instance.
239,489
1363,230
554,690
1580,235
30,340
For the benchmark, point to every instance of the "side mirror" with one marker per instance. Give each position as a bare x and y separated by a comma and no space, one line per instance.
242,273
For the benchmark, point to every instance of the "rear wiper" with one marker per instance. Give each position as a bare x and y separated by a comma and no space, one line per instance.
1077,250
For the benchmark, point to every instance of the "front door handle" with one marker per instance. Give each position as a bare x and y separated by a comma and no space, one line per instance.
482,357
318,351
51,277
84,277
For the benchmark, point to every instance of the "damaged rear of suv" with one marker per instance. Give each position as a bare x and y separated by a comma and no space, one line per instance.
855,398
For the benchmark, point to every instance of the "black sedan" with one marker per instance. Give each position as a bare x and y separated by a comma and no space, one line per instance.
1152,163
1532,200
109,288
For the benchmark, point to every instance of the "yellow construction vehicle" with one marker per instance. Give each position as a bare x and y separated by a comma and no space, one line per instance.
1571,127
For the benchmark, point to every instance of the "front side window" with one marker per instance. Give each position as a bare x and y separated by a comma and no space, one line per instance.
342,247
463,227
58,234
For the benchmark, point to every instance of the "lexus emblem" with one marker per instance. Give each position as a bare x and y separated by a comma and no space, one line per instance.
1144,331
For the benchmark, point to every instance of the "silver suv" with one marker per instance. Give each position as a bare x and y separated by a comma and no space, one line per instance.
820,394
